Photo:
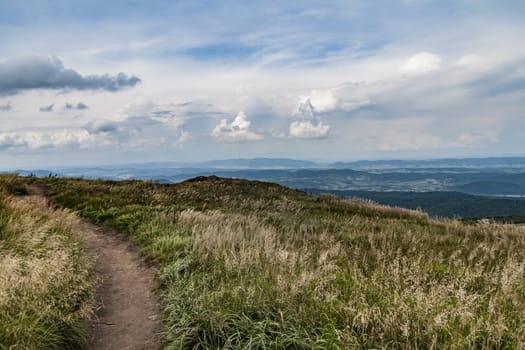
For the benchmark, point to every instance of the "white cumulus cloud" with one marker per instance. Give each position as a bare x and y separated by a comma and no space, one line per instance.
323,100
308,125
421,63
308,130
236,131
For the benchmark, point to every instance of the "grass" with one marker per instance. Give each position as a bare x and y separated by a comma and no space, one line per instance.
46,286
250,265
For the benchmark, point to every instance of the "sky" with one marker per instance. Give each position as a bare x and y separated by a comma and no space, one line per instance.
128,81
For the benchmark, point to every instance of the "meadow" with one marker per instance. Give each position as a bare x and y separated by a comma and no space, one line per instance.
46,280
252,265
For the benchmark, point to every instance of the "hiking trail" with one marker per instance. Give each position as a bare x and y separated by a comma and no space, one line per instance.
127,313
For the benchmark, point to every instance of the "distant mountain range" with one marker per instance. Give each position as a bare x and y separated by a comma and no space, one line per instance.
443,187
462,165
259,163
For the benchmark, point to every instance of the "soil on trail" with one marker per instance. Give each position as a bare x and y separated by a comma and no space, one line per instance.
127,315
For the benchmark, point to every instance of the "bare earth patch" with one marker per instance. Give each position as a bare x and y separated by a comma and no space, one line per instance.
128,314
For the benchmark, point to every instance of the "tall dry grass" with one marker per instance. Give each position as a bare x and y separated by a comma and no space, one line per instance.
439,285
46,286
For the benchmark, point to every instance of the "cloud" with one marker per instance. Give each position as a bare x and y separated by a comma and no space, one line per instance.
309,126
339,98
79,106
100,127
128,126
236,131
46,109
305,108
122,128
306,50
149,112
39,139
412,140
474,139
37,72
503,80
143,123
6,107
131,132
421,64
469,60
409,140
308,130
323,100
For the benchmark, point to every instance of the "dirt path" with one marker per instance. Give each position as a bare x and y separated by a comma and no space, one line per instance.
127,314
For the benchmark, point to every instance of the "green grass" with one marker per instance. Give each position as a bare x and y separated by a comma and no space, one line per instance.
46,286
250,265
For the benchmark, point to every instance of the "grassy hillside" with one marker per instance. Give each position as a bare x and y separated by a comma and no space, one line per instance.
251,265
46,289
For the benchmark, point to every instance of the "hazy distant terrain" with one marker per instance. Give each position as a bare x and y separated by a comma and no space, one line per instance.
392,182
444,204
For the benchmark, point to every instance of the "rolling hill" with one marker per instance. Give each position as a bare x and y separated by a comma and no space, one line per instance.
248,264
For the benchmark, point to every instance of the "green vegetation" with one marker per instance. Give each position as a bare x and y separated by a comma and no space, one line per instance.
443,204
46,289
251,265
